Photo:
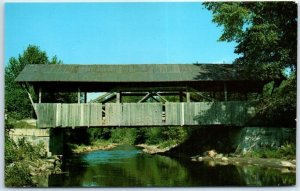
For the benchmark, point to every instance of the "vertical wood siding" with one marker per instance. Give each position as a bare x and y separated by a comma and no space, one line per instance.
143,114
68,115
133,114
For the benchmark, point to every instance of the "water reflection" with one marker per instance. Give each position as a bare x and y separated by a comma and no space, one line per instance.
259,176
128,166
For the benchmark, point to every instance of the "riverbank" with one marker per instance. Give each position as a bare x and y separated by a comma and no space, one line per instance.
154,149
36,171
285,166
77,149
42,168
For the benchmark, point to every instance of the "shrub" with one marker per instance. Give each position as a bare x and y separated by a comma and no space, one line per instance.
17,155
286,151
18,175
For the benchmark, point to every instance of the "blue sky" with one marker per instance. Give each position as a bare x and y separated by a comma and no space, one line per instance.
116,33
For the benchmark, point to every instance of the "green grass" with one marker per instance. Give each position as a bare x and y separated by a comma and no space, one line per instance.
12,123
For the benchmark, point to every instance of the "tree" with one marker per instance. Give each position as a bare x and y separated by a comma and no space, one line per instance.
17,103
266,37
265,32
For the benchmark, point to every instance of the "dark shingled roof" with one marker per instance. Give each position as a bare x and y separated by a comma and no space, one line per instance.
132,73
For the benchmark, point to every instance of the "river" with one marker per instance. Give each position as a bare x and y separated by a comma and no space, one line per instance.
128,166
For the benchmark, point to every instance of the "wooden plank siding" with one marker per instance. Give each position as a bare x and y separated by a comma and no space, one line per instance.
137,114
235,113
68,115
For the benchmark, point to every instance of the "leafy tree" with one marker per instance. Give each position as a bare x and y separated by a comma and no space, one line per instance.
265,32
266,37
17,104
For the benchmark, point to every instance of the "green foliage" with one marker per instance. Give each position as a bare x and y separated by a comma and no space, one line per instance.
278,105
123,135
17,155
286,151
17,103
265,32
22,150
98,133
18,176
157,135
161,136
12,123
266,37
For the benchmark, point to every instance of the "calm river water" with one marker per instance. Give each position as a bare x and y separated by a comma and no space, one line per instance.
128,166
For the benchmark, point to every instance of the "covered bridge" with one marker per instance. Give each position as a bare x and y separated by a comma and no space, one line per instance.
168,94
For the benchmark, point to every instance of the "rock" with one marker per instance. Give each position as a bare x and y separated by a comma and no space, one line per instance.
287,164
285,170
224,159
200,158
212,153
223,163
51,160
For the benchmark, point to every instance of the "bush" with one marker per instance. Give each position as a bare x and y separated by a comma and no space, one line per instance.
17,155
123,135
18,175
286,151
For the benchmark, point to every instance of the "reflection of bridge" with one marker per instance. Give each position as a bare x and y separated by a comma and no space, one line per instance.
201,94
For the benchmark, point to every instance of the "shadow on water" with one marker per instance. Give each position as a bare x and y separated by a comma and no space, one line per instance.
126,166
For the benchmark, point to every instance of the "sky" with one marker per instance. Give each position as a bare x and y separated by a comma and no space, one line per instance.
116,33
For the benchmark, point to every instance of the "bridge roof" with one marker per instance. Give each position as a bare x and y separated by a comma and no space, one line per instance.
132,73
68,77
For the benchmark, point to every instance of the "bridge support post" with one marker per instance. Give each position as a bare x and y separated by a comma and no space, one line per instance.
188,97
225,91
78,96
40,95
56,141
118,97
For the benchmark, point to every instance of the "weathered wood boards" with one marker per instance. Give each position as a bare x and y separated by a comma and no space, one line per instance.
48,114
133,114
69,115
143,114
208,113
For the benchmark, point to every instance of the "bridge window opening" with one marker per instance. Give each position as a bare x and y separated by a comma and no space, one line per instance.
163,113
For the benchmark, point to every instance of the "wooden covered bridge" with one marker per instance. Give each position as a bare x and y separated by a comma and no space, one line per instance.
143,95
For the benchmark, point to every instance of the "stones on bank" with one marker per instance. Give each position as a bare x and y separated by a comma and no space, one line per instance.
154,149
42,168
284,165
77,149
